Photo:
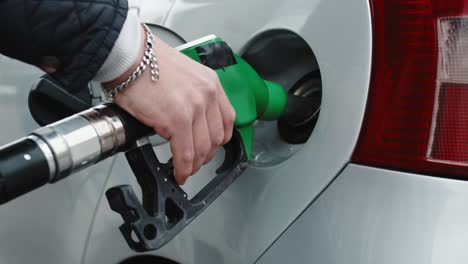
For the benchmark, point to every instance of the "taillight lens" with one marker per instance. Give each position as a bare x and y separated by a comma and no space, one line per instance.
417,113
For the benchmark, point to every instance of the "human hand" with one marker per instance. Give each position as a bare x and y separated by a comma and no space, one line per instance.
187,106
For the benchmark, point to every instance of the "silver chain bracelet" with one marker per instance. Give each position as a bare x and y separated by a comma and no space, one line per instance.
149,58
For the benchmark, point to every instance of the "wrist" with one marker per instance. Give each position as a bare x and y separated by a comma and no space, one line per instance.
108,86
124,52
148,61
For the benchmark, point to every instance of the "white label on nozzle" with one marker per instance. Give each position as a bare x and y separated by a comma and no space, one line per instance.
196,42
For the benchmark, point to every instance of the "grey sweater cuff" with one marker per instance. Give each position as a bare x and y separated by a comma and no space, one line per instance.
124,53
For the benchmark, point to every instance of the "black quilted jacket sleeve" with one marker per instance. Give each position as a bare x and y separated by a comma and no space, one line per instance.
79,33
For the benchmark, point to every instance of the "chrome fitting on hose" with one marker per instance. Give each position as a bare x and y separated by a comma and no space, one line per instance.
81,140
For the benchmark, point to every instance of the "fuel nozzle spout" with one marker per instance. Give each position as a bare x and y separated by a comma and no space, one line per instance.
296,113
302,109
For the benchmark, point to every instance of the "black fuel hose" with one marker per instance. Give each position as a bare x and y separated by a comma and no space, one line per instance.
23,168
60,149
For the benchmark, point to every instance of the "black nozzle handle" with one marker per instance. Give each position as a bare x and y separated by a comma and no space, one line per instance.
23,168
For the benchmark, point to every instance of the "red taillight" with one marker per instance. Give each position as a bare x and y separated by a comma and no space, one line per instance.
417,113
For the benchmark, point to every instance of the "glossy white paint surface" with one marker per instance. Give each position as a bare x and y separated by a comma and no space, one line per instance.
252,213
370,216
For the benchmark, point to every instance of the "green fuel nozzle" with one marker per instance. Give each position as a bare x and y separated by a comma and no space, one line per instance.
252,97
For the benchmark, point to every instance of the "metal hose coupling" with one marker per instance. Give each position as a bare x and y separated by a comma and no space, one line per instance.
80,140
58,150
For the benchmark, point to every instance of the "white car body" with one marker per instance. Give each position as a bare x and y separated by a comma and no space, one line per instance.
314,207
